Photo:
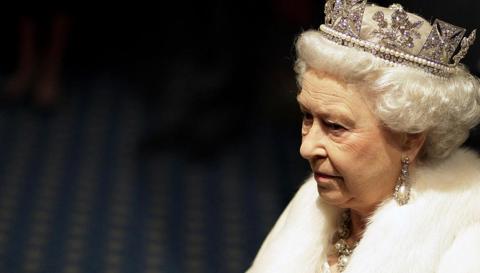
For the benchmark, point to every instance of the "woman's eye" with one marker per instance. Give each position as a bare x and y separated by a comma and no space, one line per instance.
334,126
307,117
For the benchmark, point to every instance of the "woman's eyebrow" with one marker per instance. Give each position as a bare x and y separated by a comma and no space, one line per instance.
346,119
302,107
300,104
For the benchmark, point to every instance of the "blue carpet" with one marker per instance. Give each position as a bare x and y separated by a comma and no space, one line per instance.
75,196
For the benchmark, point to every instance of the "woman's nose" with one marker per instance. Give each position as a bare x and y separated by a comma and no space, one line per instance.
313,142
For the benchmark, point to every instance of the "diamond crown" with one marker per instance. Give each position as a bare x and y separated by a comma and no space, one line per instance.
396,36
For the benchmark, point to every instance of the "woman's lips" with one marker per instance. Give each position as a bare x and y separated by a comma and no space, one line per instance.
324,180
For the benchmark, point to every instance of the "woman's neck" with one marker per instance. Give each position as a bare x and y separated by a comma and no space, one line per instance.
359,222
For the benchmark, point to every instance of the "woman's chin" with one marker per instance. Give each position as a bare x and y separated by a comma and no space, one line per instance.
333,197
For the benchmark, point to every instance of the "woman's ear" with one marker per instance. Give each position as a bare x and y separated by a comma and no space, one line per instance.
412,144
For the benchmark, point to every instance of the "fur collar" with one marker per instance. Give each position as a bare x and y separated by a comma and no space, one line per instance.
417,237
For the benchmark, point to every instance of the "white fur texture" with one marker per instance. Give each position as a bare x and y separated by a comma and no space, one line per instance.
438,231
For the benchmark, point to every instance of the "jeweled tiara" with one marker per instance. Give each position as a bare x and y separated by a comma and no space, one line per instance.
398,37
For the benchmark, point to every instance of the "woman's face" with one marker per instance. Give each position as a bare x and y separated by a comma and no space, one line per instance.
355,160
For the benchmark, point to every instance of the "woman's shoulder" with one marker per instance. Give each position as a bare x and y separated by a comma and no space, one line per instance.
450,186
460,171
462,255
296,241
463,159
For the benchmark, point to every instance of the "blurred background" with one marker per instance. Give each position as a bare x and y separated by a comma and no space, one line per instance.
141,139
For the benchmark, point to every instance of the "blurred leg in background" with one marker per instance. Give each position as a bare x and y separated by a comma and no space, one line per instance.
38,69
48,84
16,87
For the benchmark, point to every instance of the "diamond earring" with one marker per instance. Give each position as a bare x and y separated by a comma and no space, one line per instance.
402,189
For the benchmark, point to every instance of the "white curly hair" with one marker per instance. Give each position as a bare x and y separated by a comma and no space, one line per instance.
405,99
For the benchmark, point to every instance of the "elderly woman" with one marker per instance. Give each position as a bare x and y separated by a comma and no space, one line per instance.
386,106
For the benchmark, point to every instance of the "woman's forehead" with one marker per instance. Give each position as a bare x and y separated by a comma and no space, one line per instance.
327,96
326,91
314,82
327,107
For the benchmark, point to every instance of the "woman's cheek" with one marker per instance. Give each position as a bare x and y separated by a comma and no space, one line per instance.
354,143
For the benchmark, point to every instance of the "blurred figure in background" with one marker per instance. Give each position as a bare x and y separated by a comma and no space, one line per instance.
38,69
